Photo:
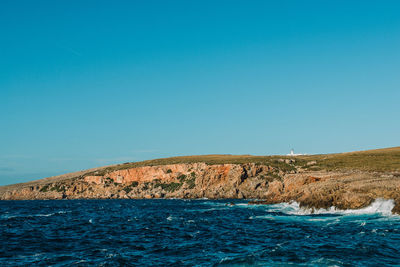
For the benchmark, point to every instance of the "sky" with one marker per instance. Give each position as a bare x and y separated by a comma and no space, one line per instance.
90,83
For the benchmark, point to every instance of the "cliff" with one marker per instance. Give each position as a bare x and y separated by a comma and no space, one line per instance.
347,181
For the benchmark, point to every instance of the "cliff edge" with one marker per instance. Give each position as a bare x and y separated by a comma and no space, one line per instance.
346,181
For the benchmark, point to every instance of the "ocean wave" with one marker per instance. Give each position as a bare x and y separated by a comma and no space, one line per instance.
238,235
379,206
6,217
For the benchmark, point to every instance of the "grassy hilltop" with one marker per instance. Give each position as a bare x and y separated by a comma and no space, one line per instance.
378,160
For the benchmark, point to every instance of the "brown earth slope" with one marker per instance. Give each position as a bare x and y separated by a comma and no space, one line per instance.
346,180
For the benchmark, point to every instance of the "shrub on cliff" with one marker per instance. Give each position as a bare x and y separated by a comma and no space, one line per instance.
191,182
44,188
108,181
181,178
58,188
127,189
171,187
130,187
146,186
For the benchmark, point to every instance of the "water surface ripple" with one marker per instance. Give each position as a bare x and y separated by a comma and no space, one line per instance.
191,233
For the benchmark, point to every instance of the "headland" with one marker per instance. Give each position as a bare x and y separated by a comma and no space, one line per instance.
346,180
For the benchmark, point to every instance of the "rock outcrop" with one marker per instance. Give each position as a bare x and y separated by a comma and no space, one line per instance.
283,180
344,190
197,180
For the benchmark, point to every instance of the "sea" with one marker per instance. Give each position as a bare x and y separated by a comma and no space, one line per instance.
195,233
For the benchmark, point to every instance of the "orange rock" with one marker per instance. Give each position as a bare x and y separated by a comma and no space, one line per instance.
94,179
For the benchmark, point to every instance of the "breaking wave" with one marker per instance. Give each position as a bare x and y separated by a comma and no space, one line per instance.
195,233
5,216
379,206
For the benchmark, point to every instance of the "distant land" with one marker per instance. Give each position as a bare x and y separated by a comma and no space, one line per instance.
346,180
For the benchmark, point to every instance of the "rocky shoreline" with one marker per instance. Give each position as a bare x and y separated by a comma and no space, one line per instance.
275,183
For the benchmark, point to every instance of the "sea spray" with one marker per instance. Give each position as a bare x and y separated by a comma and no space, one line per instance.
188,233
379,206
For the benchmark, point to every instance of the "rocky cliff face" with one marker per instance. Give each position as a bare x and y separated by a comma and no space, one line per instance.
318,189
344,190
195,180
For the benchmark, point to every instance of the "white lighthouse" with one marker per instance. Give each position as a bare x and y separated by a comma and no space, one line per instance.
292,154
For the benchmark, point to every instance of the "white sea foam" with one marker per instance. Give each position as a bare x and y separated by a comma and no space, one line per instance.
27,216
379,206
44,215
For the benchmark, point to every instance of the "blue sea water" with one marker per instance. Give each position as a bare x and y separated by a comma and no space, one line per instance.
194,233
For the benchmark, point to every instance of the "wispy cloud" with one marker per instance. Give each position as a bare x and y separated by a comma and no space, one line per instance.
70,50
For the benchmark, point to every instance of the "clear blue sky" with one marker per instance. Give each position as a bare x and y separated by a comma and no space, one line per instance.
90,83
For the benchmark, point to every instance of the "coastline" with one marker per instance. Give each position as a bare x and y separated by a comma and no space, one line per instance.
309,180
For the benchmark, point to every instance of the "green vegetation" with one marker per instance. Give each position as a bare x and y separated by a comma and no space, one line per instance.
372,160
146,186
170,187
108,181
127,189
58,188
271,176
379,160
45,188
191,182
181,178
130,187
208,159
